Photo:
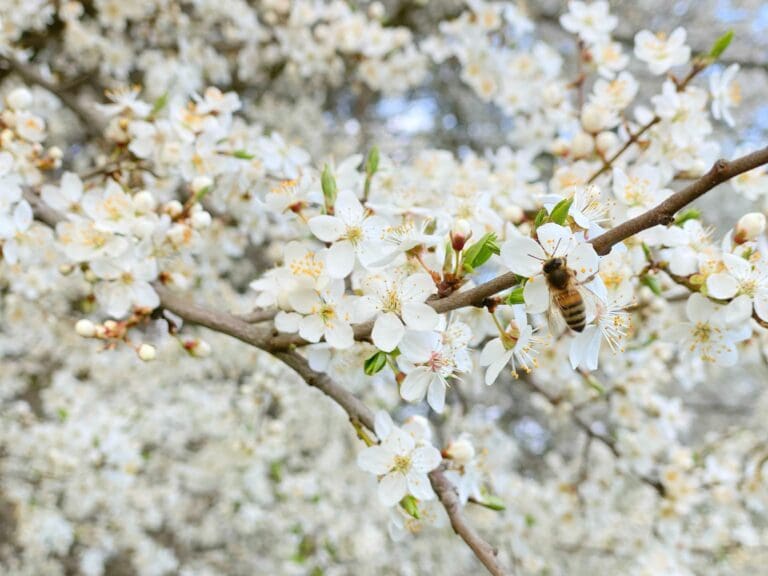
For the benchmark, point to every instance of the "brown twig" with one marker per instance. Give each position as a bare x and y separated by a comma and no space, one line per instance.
92,123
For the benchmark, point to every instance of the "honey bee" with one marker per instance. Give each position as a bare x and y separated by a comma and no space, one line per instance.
568,299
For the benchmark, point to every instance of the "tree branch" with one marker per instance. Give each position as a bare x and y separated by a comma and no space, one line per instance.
94,124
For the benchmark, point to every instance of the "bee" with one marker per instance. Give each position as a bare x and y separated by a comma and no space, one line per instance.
568,300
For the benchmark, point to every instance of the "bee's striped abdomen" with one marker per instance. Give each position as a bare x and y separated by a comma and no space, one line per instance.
572,307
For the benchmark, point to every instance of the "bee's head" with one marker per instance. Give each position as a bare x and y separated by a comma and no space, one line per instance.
553,264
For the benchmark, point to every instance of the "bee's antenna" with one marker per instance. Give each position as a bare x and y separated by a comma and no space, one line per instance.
557,246
537,258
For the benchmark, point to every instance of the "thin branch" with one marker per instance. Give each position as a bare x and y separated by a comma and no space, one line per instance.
93,123
664,213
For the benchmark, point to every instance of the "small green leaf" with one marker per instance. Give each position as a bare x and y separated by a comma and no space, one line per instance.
516,296
411,506
159,104
63,414
720,45
243,155
647,252
481,251
375,363
372,162
688,214
541,217
560,211
276,471
652,283
530,520
328,182
492,502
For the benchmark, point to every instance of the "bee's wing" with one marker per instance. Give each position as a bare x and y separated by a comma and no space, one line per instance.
590,302
555,320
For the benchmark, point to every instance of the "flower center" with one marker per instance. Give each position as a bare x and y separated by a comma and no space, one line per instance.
401,464
702,333
391,302
354,234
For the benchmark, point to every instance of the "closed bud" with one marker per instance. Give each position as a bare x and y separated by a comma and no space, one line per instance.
606,141
19,99
560,147
85,328
147,352
197,348
513,213
582,145
200,219
144,202
749,227
461,451
200,183
173,208
592,118
460,234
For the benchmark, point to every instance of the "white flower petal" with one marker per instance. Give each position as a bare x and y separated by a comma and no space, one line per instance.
387,332
327,228
340,259
419,486
522,255
436,395
415,384
555,239
417,288
425,458
536,295
722,285
584,261
392,488
375,460
420,316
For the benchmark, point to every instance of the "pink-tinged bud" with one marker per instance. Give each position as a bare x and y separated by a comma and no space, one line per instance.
749,227
173,208
460,234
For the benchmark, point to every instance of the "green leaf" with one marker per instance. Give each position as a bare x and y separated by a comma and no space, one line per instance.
243,155
492,502
372,162
159,104
720,45
411,506
530,520
516,296
375,363
481,251
560,211
541,217
688,214
652,283
328,182
647,252
276,471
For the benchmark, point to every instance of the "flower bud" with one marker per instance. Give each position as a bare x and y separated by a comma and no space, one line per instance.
582,145
513,213
173,208
85,328
200,183
200,219
198,348
560,147
147,352
461,451
606,141
19,99
749,227
592,118
144,202
460,234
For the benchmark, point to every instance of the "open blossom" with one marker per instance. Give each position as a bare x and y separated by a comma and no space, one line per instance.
742,278
611,323
429,359
66,196
513,346
591,21
127,283
325,313
713,330
397,303
352,232
400,462
661,52
525,256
